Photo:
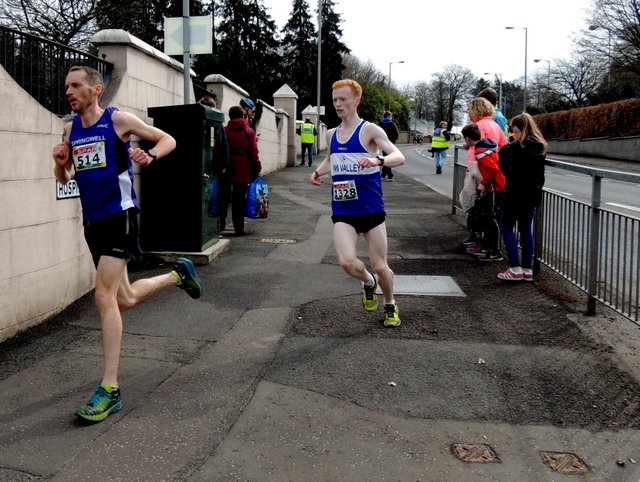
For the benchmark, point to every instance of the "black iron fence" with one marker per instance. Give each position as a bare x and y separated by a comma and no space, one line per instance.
40,66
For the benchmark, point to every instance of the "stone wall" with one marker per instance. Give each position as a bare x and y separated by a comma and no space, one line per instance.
47,265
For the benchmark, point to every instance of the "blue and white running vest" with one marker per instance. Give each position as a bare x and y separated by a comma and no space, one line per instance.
356,190
103,168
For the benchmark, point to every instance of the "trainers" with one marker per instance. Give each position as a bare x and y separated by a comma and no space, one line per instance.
511,275
101,405
491,256
527,276
474,248
187,278
470,240
391,315
369,297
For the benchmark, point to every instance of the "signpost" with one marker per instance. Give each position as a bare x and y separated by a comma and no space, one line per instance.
187,35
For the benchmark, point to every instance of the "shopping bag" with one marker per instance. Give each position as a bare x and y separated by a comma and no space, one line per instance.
211,196
257,199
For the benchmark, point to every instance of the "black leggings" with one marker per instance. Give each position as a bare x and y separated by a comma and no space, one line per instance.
237,194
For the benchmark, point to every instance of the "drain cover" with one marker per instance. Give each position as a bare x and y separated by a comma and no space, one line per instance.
425,286
564,463
278,241
475,453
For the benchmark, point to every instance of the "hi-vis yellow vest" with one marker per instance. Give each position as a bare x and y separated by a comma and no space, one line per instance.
306,133
439,141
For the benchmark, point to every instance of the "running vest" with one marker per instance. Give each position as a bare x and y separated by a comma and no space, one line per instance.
103,168
439,141
306,133
356,190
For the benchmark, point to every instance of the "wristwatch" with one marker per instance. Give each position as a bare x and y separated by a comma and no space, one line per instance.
153,154
381,159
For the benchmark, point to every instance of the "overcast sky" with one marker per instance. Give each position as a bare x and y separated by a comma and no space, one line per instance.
428,35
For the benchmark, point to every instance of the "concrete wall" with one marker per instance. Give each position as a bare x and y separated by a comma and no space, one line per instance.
47,265
623,148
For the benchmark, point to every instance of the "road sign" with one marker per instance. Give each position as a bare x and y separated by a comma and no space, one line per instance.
200,35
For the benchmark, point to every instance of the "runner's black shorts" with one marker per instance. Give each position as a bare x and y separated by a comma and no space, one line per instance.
115,235
362,223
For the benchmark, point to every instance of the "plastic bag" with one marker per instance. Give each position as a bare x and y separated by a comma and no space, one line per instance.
257,199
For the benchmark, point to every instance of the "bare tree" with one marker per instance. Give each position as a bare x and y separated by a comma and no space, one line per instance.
419,92
450,91
614,32
576,79
357,69
68,22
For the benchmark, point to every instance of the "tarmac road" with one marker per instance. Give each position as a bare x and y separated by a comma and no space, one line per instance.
277,373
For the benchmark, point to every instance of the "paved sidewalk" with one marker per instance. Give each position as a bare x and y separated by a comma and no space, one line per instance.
277,373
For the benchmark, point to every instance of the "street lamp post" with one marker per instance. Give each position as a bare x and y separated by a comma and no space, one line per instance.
398,62
548,70
526,34
548,75
596,27
500,102
319,73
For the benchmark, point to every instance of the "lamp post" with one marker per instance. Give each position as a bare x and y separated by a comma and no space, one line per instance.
500,102
319,74
398,62
526,34
596,27
548,75
548,70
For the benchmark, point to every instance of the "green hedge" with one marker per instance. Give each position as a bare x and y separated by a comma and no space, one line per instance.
617,119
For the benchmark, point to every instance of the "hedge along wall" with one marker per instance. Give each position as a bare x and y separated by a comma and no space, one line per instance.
617,119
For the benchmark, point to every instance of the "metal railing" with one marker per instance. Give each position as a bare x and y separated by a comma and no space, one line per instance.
40,66
596,249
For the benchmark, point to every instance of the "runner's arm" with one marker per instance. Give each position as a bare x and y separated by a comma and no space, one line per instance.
127,124
378,136
325,165
63,170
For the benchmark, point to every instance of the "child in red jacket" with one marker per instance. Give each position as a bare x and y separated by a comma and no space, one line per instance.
490,191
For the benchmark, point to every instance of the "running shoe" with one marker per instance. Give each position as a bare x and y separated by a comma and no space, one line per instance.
187,278
511,275
527,276
369,297
474,248
101,405
391,315
470,240
491,256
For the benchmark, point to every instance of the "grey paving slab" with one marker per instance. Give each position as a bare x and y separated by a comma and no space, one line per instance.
290,434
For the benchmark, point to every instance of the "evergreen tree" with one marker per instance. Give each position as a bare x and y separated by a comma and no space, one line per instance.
332,66
143,19
299,54
247,47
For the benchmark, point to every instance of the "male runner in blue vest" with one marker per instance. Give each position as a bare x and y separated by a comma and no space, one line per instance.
96,152
354,164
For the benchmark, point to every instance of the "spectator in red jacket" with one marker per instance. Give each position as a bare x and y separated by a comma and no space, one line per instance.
244,167
490,191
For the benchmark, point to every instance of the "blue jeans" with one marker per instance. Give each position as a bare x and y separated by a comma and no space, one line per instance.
307,148
523,216
441,157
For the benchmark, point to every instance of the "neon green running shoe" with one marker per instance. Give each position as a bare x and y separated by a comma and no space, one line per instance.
101,405
187,278
391,315
369,297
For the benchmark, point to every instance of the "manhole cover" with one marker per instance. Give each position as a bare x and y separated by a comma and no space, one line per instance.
475,453
564,463
425,286
278,241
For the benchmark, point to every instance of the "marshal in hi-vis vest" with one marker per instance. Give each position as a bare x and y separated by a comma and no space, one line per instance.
306,133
